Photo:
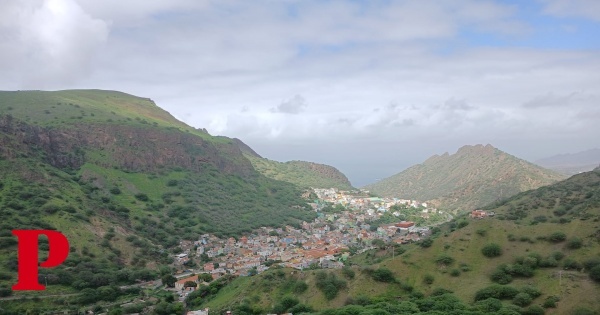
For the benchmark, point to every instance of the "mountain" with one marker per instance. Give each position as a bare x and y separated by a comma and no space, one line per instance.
300,173
548,241
572,163
124,181
472,177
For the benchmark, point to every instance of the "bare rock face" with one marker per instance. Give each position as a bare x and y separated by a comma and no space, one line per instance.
131,148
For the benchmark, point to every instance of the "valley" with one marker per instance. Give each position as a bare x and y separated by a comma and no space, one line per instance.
164,218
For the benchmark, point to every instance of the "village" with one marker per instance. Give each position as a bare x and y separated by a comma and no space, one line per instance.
347,223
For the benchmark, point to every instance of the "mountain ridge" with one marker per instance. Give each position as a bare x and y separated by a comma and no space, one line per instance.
479,173
572,163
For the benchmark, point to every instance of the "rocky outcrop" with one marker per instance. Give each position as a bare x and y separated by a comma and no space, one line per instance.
129,147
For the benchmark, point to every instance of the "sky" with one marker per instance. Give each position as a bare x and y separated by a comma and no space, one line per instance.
370,87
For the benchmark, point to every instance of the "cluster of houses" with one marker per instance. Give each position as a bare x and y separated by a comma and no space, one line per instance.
322,243
372,206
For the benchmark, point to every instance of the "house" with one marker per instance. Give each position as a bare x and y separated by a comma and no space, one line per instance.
405,224
180,283
478,214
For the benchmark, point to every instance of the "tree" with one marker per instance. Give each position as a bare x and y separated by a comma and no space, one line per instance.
190,284
206,277
378,243
169,281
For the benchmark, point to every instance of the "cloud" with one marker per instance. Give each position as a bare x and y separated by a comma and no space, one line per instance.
294,105
389,82
589,9
48,42
550,100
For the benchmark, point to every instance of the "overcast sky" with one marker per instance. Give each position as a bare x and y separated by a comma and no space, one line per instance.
370,87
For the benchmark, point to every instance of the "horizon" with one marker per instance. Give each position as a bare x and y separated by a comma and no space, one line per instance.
369,87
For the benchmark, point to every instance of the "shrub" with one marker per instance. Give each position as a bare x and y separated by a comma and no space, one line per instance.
491,250
591,263
531,291
383,275
558,255
481,232
426,243
583,311
348,272
115,191
50,208
595,273
329,284
142,197
557,237
522,299
574,243
455,272
548,263
496,291
444,260
172,183
501,276
570,264
550,301
428,279
533,310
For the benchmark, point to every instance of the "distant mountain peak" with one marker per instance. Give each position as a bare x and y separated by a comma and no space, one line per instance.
474,176
572,163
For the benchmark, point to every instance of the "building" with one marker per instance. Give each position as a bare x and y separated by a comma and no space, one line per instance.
179,284
478,214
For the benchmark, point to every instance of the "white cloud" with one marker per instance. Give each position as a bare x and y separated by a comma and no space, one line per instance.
384,78
48,42
589,9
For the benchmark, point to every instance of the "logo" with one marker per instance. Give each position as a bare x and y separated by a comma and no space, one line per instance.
28,256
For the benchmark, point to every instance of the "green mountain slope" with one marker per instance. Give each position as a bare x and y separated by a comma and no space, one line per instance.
472,177
301,173
549,255
124,180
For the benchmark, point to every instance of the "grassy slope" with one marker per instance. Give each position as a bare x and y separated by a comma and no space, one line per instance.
172,203
302,174
470,178
517,238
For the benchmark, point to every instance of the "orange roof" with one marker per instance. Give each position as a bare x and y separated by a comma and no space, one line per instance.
184,280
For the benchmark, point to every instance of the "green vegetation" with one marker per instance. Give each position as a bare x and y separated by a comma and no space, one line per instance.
302,174
122,200
491,250
467,179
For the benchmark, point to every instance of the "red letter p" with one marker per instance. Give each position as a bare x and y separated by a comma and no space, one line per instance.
28,256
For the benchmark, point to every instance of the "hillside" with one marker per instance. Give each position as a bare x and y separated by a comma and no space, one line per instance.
572,163
124,180
300,173
547,255
472,177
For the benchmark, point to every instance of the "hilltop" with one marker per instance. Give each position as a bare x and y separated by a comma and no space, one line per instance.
472,177
572,163
538,254
124,181
300,173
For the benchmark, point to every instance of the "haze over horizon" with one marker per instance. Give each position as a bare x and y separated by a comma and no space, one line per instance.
370,87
